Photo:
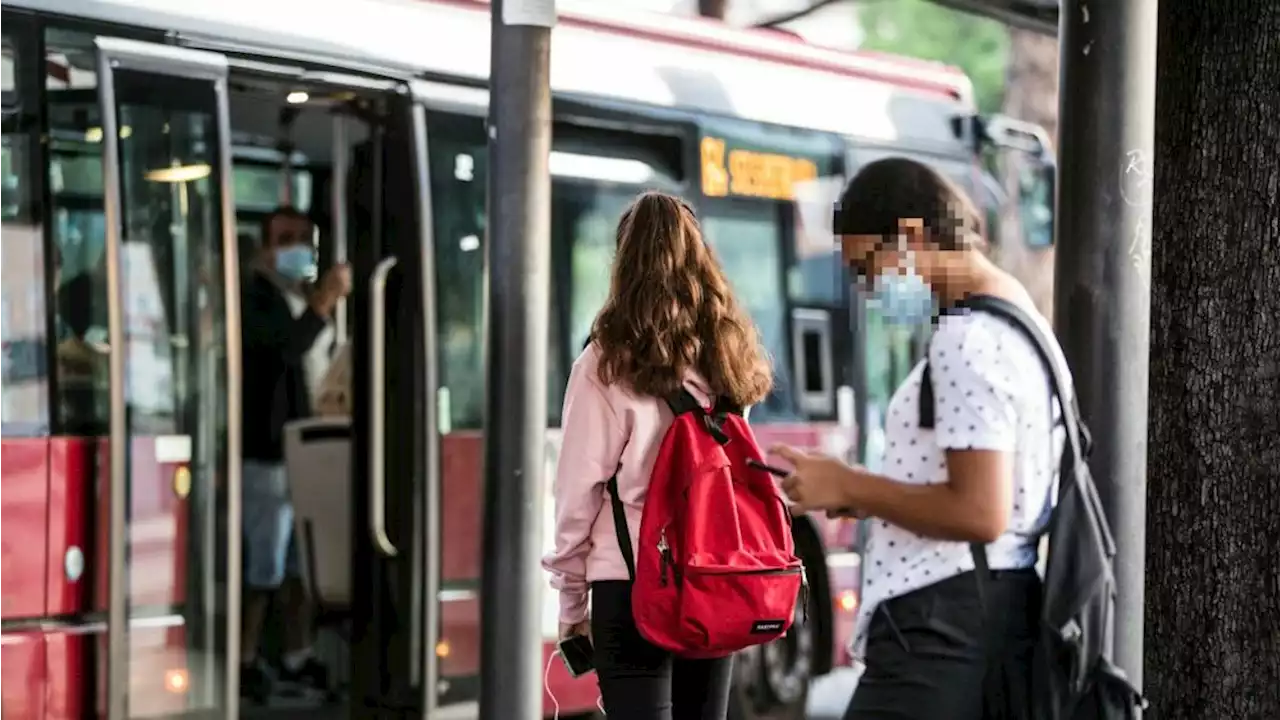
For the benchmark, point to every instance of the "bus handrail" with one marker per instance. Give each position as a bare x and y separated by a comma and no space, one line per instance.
377,408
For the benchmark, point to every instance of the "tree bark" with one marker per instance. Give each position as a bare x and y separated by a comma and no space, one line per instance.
1213,518
713,8
1031,94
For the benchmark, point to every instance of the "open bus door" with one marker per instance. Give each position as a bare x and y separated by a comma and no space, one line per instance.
395,470
174,389
174,330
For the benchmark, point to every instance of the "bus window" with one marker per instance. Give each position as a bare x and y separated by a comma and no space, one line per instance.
588,232
584,225
22,288
590,189
459,159
816,276
747,238
77,232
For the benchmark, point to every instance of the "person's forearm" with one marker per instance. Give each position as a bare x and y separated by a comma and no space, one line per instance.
934,511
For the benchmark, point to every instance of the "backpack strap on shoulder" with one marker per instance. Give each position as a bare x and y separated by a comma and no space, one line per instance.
725,406
926,404
620,526
683,401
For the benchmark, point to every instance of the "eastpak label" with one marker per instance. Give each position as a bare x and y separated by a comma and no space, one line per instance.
767,627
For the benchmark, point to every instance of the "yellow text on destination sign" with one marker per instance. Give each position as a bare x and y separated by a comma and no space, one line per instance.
751,174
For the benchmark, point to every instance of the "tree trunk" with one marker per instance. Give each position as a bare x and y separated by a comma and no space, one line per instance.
1031,94
1213,514
713,8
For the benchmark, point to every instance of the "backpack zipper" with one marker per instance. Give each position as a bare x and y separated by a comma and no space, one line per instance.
804,578
664,552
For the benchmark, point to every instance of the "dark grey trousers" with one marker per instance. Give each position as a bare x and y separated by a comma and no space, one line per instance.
933,654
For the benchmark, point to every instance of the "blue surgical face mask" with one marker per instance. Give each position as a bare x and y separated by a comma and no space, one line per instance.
296,262
902,297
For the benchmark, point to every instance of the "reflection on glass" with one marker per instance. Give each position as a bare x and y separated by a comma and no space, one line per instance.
258,188
175,386
458,164
79,245
25,382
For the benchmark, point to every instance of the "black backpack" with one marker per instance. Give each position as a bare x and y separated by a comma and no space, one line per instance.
1074,677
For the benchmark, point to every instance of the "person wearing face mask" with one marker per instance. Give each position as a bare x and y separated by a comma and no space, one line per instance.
283,321
934,638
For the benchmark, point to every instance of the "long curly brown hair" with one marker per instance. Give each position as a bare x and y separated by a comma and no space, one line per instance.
671,310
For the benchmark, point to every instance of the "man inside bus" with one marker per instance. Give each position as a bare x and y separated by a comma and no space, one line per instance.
282,322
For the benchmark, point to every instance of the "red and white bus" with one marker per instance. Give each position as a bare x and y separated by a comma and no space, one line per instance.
121,497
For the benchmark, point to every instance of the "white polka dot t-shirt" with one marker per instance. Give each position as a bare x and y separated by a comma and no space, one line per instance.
991,392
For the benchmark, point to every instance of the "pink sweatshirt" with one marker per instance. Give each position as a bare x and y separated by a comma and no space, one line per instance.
606,429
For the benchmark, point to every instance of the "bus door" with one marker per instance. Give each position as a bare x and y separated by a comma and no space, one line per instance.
395,468
172,474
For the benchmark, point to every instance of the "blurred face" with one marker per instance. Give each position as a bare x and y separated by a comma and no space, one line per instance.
289,243
870,256
287,232
887,270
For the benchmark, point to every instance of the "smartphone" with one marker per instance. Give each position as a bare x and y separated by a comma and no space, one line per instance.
578,655
776,472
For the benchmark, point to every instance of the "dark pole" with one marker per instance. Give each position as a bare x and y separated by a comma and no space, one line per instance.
1102,288
518,256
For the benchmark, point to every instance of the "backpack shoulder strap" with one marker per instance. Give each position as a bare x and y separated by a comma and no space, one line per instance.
1024,323
682,401
620,526
1077,433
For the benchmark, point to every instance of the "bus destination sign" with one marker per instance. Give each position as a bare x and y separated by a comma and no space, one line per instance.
748,173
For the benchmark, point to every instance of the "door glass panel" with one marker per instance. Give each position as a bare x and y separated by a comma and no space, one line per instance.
175,373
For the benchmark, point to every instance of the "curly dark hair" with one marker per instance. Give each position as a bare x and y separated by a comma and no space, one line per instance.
888,191
671,310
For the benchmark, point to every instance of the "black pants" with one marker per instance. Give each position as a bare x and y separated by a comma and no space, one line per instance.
639,680
934,654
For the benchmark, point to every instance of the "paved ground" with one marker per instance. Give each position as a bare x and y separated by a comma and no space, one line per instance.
830,695
827,701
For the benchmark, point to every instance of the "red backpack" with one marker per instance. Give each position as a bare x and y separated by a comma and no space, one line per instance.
716,571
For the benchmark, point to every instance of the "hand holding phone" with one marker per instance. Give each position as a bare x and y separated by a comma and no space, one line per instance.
578,655
774,471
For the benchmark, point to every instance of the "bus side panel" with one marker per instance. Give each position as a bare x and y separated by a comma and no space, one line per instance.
22,670
73,463
79,543
461,473
157,527
24,507
69,657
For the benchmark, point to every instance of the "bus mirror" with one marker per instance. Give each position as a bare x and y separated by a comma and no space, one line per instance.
1007,133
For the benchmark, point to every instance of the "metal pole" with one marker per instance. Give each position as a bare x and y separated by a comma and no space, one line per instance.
518,257
341,165
1103,299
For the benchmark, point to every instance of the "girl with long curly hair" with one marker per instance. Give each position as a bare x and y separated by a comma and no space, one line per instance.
671,321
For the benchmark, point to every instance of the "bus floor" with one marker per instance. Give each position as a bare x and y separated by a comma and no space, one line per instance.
301,711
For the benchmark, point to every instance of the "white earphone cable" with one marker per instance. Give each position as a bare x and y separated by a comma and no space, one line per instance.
555,704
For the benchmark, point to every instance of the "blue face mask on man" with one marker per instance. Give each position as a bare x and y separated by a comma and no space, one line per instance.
902,296
296,262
